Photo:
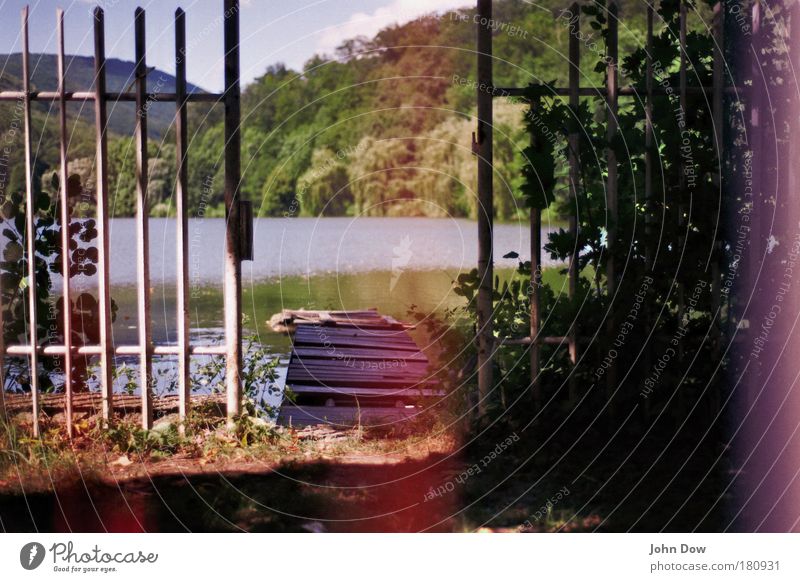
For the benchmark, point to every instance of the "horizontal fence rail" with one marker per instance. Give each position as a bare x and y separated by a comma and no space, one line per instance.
145,350
109,96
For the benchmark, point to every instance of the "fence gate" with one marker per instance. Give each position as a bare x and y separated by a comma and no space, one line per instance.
145,349
610,94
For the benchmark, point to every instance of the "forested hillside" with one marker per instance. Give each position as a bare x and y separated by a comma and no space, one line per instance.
383,127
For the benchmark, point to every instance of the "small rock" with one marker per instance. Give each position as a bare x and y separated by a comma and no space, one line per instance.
123,461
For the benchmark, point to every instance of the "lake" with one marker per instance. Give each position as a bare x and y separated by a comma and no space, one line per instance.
316,263
390,264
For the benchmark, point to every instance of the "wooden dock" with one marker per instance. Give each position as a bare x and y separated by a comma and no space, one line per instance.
349,368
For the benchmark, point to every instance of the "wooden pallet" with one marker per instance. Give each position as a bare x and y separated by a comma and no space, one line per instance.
348,367
287,320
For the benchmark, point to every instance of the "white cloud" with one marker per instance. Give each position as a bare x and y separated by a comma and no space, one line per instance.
396,12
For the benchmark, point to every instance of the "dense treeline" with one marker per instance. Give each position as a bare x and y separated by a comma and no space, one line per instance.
383,127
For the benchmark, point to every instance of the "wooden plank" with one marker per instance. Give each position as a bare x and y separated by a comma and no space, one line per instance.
182,211
337,335
314,314
307,353
101,165
232,291
368,324
142,227
30,228
330,377
344,417
362,392
369,380
324,372
343,336
364,343
66,295
364,366
357,365
347,330
305,330
362,380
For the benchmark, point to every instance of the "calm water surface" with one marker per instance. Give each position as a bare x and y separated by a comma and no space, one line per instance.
391,264
328,263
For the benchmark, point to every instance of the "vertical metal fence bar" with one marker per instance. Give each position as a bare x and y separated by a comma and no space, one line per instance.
485,206
648,181
534,291
682,173
66,295
574,178
3,415
142,226
30,227
611,182
2,358
181,193
648,141
793,115
101,166
233,265
718,103
682,193
754,140
611,132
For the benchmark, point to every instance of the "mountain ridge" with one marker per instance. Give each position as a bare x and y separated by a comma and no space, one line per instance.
80,77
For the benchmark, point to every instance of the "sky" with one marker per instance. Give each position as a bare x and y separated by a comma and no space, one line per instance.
272,31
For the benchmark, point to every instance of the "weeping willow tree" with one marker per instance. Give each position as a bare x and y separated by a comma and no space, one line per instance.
324,189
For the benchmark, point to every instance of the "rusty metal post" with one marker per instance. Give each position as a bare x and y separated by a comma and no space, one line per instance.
2,359
485,207
66,296
574,179
101,165
181,204
718,86
534,291
650,257
142,227
755,130
30,228
233,265
648,142
611,180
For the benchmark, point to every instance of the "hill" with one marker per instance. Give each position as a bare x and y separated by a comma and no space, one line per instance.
80,77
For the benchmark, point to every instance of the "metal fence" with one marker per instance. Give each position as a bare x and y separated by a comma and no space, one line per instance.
146,348
611,93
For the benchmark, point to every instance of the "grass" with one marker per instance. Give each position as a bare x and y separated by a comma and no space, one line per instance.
124,449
